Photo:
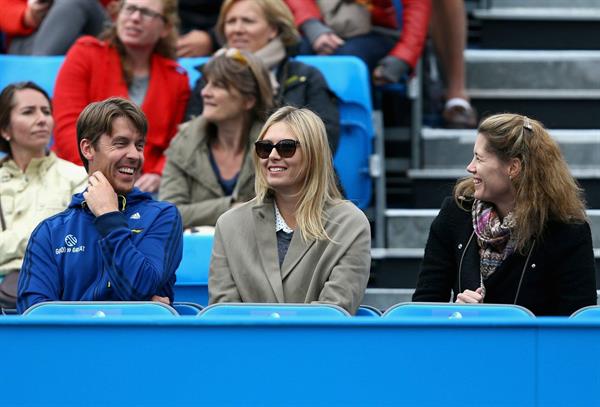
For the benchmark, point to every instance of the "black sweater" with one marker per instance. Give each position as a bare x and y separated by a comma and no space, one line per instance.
558,278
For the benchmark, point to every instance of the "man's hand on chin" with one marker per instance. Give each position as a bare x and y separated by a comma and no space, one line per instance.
100,196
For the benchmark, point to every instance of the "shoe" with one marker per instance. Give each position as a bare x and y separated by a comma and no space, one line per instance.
459,116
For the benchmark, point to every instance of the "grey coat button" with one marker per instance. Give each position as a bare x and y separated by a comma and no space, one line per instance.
533,265
460,246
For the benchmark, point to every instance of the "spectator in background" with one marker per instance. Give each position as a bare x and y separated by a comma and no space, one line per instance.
198,19
50,27
209,163
34,183
516,230
449,33
354,28
298,241
266,28
136,61
114,242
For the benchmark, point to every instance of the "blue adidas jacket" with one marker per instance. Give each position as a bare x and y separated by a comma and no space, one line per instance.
120,256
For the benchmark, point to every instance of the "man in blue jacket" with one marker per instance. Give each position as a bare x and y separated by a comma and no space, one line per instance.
113,242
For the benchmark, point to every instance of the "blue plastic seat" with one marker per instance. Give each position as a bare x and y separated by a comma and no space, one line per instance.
592,311
187,308
99,309
273,311
348,78
367,311
192,275
39,69
445,311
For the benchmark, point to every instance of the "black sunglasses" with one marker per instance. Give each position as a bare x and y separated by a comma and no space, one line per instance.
286,148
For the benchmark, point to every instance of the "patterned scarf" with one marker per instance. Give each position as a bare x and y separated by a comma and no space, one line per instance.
494,237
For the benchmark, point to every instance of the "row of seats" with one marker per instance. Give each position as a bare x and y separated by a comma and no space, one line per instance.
418,311
347,76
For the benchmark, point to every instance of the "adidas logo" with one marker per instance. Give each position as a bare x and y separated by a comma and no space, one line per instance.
135,216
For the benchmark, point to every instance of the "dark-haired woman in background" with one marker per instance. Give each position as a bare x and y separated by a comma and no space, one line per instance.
34,183
515,231
209,163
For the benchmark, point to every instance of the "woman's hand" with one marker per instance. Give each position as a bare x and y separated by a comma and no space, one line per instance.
196,43
148,182
470,297
327,43
36,11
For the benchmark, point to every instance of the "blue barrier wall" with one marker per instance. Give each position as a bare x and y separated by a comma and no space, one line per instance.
173,361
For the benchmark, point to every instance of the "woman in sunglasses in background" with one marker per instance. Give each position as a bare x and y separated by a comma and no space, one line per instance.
298,241
209,166
135,60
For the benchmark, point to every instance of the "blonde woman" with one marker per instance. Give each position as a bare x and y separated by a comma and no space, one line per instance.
297,241
516,230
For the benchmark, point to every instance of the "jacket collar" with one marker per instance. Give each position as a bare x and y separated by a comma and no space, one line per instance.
193,157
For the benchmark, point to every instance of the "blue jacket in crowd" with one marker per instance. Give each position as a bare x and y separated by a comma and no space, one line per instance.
121,256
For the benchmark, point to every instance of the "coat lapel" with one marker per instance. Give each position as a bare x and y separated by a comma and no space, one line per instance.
266,241
296,251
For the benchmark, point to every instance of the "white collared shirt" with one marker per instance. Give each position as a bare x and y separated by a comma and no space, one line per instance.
280,222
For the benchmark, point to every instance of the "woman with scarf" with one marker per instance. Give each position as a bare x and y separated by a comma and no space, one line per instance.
515,231
266,28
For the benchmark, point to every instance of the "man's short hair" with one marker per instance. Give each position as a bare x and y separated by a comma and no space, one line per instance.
97,119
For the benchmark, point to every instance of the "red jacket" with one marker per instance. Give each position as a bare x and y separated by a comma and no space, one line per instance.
415,22
12,17
92,72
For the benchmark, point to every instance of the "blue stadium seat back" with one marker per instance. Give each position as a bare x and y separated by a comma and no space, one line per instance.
100,309
192,275
348,77
39,69
187,308
190,65
591,312
192,292
445,311
197,249
272,311
367,311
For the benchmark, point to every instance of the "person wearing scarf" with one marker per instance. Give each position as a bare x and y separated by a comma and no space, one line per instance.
266,29
515,231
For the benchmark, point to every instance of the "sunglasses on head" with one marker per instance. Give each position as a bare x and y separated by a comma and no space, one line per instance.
285,148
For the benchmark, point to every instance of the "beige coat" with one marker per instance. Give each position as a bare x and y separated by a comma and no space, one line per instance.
244,266
189,181
27,198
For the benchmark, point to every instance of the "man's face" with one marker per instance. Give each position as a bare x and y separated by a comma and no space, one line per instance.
119,156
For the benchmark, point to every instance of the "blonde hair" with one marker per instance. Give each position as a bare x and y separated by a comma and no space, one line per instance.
165,47
319,187
544,188
276,13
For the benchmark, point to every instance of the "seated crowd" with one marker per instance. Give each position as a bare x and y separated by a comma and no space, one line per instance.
254,160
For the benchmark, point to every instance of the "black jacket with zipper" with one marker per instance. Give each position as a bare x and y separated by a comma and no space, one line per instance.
554,275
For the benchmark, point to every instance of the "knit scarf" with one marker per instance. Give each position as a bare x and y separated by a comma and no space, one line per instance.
271,56
496,242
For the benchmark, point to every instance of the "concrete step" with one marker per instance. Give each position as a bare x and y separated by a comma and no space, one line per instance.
537,4
407,230
448,148
432,185
560,88
539,74
536,25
